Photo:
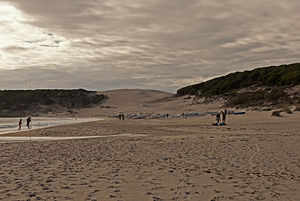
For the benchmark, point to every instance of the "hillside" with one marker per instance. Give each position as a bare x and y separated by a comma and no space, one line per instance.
261,86
25,102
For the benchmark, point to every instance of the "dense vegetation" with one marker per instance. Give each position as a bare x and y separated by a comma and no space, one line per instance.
263,84
23,102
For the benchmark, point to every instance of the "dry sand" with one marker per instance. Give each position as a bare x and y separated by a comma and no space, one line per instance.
254,157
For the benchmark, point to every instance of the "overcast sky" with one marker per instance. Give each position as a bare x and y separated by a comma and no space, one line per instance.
156,44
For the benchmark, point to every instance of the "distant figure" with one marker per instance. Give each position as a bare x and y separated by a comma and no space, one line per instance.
223,115
167,115
218,118
123,116
225,111
28,122
20,124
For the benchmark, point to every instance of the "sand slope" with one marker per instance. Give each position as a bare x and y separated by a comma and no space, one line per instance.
135,101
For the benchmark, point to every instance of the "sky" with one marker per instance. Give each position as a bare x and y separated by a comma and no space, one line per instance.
146,44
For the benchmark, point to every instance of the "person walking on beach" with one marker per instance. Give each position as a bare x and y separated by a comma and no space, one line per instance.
20,124
28,122
218,118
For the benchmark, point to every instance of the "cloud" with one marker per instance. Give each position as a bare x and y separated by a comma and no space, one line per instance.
144,44
13,49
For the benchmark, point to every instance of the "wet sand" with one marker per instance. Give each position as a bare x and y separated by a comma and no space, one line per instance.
9,125
254,157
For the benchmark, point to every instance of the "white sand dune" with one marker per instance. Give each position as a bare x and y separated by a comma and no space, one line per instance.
135,101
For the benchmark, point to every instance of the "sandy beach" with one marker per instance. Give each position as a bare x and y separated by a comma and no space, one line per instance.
106,100
254,157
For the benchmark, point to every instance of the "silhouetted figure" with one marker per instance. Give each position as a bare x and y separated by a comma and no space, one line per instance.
223,114
123,116
20,124
28,122
218,118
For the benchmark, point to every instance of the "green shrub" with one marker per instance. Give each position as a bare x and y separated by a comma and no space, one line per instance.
273,76
275,94
248,99
297,108
25,100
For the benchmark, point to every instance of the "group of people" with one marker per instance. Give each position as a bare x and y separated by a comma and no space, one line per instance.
221,117
121,116
28,123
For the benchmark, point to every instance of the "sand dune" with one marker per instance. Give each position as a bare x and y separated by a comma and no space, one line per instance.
135,101
131,97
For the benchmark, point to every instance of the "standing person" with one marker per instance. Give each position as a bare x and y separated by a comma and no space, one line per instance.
123,117
218,118
28,122
223,116
20,124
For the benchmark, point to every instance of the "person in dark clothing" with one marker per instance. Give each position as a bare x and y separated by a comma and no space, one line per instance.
28,122
123,116
223,116
218,117
20,124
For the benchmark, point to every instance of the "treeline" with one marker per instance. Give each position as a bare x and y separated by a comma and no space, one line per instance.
24,101
274,80
284,75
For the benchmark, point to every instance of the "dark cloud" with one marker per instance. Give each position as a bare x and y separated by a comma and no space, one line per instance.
13,49
159,44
